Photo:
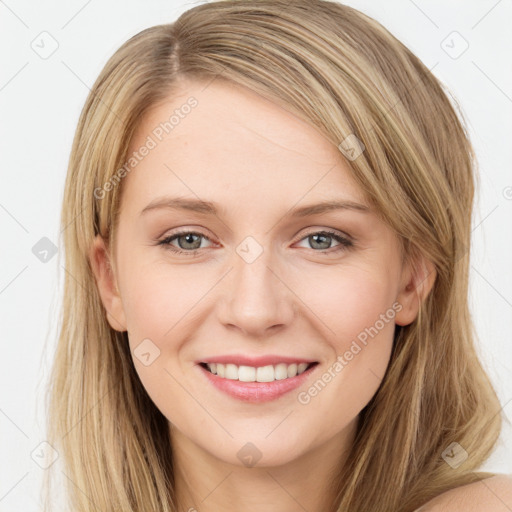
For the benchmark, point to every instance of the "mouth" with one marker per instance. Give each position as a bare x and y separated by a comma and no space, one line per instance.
267,373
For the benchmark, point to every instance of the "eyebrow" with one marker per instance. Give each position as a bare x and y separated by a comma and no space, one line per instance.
209,208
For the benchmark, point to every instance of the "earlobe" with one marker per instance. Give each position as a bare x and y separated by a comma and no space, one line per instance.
418,279
105,281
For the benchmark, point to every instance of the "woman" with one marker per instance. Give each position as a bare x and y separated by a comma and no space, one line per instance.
267,215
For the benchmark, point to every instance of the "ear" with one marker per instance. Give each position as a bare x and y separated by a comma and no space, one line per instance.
99,258
418,277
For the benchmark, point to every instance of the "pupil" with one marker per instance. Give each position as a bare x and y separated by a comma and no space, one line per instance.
189,239
325,237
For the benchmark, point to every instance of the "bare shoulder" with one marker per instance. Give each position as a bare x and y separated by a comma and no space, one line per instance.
492,494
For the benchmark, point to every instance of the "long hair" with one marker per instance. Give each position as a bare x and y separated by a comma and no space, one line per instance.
345,74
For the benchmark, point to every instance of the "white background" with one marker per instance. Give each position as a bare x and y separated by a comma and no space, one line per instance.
40,101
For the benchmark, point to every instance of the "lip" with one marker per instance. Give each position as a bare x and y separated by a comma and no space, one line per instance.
257,392
244,360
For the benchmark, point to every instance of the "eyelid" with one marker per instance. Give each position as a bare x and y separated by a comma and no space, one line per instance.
311,231
330,231
181,232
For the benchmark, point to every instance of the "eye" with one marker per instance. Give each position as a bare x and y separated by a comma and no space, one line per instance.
190,242
322,240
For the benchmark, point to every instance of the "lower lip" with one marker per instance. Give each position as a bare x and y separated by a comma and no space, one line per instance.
257,392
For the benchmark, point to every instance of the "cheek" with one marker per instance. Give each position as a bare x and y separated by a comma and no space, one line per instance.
157,296
351,299
362,314
357,309
160,303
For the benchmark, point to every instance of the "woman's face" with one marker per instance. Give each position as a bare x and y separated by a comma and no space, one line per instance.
225,255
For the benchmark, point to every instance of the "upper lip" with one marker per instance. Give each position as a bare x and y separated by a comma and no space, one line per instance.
244,360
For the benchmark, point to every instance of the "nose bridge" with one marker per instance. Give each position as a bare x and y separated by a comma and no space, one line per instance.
256,298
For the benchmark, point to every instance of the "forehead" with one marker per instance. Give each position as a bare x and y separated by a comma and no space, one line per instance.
234,142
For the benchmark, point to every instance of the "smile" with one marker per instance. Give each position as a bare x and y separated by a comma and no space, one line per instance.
256,384
268,373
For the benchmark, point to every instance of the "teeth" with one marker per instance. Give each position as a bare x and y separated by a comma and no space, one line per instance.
261,374
247,374
292,370
301,367
265,374
281,371
231,372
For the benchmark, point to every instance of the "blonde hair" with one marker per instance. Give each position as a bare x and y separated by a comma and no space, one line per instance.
345,74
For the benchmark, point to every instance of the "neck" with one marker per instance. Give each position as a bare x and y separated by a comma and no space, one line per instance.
203,483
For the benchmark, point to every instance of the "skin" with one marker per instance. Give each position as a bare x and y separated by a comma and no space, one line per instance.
492,494
257,162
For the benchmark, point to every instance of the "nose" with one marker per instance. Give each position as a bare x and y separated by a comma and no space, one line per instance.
256,300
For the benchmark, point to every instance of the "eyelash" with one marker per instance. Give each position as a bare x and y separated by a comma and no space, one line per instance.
344,242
